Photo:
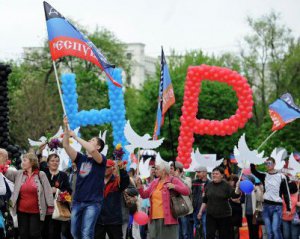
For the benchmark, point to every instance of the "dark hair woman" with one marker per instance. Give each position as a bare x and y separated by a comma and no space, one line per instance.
58,181
216,202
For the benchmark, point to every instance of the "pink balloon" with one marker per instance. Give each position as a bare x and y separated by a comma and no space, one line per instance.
141,218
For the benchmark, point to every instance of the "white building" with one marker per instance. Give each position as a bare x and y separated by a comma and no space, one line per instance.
142,66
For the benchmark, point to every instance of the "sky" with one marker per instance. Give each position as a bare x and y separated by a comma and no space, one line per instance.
214,26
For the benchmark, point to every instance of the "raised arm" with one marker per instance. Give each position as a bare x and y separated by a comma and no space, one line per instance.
259,175
66,141
90,148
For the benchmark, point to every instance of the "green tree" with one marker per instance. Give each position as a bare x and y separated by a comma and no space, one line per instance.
263,54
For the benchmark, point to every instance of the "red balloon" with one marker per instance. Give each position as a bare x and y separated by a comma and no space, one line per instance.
141,218
190,125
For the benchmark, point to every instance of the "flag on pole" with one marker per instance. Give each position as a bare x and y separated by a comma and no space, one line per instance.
232,159
166,97
66,40
283,111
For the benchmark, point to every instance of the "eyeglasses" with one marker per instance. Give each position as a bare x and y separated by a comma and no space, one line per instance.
268,163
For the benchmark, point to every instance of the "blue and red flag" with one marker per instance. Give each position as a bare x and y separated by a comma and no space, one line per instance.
166,97
232,159
283,111
66,40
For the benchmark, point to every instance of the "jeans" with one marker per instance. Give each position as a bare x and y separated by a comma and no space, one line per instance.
83,219
197,222
185,230
272,219
290,231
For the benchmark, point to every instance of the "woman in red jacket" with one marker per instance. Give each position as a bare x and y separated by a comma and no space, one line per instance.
163,225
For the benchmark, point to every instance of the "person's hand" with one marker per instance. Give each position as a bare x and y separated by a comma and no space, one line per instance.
138,182
170,185
236,200
199,215
42,146
66,123
72,134
54,189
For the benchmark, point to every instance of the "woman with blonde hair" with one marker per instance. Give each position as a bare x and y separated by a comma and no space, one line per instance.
32,196
163,224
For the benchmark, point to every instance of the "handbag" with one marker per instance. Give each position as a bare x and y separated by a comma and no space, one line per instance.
61,209
178,205
257,218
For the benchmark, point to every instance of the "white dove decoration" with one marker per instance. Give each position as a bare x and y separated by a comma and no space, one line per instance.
160,161
64,158
136,141
294,165
144,168
279,155
103,137
244,156
205,160
41,141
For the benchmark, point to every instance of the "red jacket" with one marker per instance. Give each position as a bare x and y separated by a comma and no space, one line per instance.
180,187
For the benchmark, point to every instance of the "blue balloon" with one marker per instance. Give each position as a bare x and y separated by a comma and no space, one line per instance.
115,115
246,186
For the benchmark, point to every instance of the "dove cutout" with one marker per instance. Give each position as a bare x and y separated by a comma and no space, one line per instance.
204,160
103,137
137,141
64,158
144,168
279,154
294,165
244,156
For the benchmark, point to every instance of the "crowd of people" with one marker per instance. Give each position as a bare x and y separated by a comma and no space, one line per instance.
105,199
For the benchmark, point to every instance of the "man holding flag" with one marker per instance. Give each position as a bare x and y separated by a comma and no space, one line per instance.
166,96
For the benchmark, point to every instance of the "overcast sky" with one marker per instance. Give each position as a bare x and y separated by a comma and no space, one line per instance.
212,25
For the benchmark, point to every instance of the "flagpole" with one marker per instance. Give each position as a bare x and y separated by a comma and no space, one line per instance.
171,136
59,90
263,143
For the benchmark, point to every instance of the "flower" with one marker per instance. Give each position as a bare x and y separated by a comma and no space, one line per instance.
118,152
54,144
64,197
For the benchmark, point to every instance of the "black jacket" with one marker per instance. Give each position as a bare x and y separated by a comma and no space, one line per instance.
60,181
111,212
198,187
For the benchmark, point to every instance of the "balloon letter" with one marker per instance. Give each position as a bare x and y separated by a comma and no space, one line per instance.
190,125
115,115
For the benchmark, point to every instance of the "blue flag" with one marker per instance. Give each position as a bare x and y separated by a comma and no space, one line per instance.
166,97
283,111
